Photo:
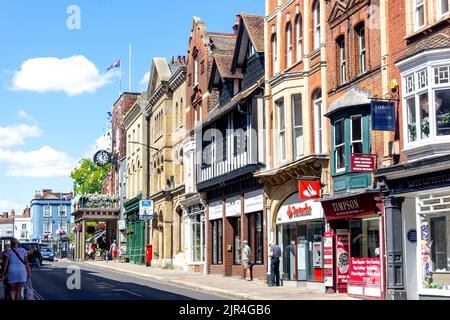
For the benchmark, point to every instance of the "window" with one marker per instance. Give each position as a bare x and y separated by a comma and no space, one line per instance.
443,7
361,48
419,14
47,210
217,241
427,103
281,130
288,45
180,114
256,237
341,52
316,24
198,238
298,125
365,237
236,222
356,134
24,226
299,37
274,54
195,70
251,50
47,227
202,67
317,100
339,145
62,210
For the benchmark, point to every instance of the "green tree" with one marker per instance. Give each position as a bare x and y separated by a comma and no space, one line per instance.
88,177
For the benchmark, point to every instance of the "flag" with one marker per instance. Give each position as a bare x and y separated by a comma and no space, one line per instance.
114,65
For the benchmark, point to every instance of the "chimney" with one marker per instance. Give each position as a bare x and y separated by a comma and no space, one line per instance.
172,60
6,215
13,213
236,24
183,60
179,60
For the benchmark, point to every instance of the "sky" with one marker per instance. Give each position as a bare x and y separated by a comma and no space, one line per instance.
55,93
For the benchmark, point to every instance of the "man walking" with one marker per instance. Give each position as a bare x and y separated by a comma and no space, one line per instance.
246,256
274,254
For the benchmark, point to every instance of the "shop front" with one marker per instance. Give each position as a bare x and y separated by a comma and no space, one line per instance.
194,224
300,230
354,239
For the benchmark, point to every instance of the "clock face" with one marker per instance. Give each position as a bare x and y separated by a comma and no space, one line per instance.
102,158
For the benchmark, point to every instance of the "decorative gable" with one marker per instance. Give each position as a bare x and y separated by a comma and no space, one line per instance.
339,9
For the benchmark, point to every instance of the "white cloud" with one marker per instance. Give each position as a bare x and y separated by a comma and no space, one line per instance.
144,82
26,116
16,135
6,206
102,143
45,162
74,75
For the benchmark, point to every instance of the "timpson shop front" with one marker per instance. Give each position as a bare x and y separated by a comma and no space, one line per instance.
300,227
353,245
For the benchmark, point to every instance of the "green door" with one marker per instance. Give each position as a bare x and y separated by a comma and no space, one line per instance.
135,242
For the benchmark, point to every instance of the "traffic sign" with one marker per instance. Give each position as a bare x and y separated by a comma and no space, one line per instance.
146,208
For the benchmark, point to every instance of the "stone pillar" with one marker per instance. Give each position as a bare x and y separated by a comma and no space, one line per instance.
394,249
83,242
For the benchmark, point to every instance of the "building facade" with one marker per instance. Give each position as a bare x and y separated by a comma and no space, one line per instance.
23,226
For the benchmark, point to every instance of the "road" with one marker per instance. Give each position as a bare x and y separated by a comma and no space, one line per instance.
50,282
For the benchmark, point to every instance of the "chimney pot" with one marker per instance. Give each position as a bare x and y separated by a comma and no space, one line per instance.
184,59
172,59
179,60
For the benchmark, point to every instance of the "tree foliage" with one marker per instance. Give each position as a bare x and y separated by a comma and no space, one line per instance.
88,177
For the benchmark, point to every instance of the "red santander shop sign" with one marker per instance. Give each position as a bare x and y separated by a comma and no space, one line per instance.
299,211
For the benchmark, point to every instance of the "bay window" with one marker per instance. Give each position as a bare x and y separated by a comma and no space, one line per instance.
339,145
427,103
281,130
356,134
298,125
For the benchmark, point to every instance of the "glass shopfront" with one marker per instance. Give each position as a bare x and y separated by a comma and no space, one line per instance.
302,250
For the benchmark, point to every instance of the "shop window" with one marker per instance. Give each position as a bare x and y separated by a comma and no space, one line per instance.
237,240
198,238
365,237
217,241
298,125
255,235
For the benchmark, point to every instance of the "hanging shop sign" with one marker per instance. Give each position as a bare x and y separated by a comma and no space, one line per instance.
420,182
309,189
254,201
215,210
293,210
328,259
362,204
383,115
122,225
233,206
361,162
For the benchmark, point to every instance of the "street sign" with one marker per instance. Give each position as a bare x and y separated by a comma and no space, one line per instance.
383,115
146,209
361,162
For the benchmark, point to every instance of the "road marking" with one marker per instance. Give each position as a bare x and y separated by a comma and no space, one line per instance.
128,291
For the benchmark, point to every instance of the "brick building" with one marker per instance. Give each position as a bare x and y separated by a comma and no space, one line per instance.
230,148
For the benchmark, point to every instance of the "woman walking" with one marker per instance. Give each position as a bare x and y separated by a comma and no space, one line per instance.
17,269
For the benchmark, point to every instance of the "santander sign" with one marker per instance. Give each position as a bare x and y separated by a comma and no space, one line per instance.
295,212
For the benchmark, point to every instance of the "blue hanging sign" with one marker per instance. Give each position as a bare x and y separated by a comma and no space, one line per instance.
383,115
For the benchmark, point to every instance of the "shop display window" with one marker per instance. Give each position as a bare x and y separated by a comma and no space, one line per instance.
365,239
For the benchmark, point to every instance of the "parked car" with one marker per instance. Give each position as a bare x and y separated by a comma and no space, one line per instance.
47,254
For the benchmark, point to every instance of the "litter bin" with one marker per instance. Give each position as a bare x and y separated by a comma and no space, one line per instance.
148,254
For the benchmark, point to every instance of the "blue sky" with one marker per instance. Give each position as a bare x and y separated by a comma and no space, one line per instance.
48,119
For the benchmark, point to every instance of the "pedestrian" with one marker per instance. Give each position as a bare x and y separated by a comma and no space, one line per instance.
274,254
246,258
37,257
3,268
18,269
113,250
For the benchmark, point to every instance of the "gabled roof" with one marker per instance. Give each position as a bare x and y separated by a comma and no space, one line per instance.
435,41
353,97
339,8
221,68
159,72
222,43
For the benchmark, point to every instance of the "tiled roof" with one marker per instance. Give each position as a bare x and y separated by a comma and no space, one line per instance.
435,41
255,27
222,43
223,63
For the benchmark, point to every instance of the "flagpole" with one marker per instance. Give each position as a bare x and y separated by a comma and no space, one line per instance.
120,78
129,71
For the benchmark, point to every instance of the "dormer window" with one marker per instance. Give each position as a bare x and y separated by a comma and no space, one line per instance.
251,50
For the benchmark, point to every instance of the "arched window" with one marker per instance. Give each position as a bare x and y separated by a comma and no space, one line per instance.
361,41
299,37
288,44
340,43
316,24
180,121
317,101
274,54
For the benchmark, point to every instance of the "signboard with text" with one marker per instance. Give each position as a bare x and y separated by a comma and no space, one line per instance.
328,259
365,278
361,162
383,115
146,209
342,259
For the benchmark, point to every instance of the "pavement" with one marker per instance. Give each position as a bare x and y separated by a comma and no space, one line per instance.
232,287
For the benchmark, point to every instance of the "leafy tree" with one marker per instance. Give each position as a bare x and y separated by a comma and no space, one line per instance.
88,177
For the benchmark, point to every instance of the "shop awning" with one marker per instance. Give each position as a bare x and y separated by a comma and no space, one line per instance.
96,236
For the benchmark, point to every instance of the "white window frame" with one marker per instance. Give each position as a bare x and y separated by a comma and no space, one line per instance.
316,25
65,211
289,45
251,49
351,132
299,37
47,224
417,5
47,210
361,32
281,132
440,12
296,127
318,129
342,61
275,53
336,146
196,70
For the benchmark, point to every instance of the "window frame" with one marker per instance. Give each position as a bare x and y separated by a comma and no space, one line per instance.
336,146
342,61
289,45
417,7
296,127
299,37
361,36
316,25
274,42
281,132
196,70
47,213
318,127
351,132
440,12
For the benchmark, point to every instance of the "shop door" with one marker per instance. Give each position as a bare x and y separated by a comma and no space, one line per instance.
302,254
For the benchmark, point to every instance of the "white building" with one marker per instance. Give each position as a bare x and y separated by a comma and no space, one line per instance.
23,225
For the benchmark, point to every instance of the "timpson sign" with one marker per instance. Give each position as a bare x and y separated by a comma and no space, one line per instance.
293,210
363,204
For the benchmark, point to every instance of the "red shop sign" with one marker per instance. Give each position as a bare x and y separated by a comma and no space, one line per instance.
361,162
309,189
328,259
342,259
362,204
365,270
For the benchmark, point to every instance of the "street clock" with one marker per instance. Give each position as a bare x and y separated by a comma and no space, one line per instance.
102,158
